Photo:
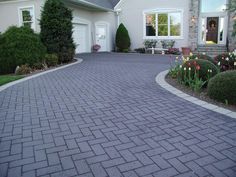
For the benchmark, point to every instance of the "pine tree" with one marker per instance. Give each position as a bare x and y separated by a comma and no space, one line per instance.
56,30
122,39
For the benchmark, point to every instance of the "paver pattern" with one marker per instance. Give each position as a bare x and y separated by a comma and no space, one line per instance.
108,117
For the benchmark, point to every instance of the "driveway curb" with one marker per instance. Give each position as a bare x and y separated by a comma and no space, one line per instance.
79,60
160,79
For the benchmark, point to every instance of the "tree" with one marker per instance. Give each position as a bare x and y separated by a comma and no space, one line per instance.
122,38
231,7
56,30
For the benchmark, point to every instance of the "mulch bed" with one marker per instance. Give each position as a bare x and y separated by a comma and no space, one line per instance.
202,96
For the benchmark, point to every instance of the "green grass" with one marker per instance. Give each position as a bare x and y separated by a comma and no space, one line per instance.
4,79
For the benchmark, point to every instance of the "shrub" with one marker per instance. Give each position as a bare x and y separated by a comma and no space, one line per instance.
56,30
167,44
150,43
226,61
222,87
205,68
174,51
140,50
51,59
19,46
201,56
122,38
23,69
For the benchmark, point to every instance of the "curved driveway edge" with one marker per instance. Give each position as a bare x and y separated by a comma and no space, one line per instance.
160,79
5,86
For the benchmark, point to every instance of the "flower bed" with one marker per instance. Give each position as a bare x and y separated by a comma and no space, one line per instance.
195,74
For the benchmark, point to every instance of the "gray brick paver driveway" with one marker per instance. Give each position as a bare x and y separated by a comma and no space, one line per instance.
108,117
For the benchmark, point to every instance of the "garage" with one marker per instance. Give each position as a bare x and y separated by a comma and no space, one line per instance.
81,38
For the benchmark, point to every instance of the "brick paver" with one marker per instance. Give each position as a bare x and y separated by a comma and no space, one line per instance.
108,117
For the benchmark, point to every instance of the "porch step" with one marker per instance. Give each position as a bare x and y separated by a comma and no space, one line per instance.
211,50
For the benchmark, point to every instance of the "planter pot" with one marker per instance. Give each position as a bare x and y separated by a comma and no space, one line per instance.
186,51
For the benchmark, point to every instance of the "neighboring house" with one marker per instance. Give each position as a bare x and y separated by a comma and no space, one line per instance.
94,21
203,25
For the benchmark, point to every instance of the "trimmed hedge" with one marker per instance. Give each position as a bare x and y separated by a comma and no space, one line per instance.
122,39
222,87
205,65
20,46
202,57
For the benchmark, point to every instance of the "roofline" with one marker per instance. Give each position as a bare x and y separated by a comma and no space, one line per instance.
120,1
91,5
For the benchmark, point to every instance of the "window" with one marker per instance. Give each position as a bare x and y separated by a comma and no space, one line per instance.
213,6
163,24
26,16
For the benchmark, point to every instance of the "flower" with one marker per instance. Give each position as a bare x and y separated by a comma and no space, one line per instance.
196,58
189,69
198,67
180,66
203,53
189,64
227,59
185,68
235,63
218,63
194,63
191,54
96,47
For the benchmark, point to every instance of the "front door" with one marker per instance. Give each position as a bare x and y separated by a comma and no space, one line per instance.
213,30
101,36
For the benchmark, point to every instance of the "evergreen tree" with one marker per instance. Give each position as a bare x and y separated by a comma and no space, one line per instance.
122,39
56,30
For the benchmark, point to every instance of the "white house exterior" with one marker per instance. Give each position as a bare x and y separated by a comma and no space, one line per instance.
198,24
93,23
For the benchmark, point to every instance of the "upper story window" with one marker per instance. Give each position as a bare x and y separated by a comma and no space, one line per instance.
163,24
208,6
26,17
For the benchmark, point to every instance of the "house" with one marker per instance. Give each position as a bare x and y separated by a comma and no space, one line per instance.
203,25
94,21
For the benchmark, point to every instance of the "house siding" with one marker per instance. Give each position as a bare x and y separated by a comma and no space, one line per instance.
132,18
9,17
9,13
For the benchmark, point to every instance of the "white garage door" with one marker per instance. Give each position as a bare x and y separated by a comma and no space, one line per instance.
80,36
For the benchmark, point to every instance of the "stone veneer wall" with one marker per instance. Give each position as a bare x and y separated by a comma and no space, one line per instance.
193,27
232,40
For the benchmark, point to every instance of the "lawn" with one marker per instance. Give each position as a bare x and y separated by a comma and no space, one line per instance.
4,79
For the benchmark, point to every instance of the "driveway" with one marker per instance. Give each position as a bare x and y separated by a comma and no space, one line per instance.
108,117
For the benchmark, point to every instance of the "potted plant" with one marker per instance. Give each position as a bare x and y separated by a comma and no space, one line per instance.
96,47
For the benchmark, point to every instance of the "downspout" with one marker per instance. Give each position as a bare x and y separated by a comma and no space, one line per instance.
118,11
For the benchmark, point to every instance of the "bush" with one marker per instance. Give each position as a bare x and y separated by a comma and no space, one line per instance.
205,69
51,60
226,61
56,30
222,87
122,38
19,46
150,43
140,50
173,51
23,69
202,57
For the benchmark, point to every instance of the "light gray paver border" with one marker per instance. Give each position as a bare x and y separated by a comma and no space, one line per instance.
5,86
160,79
